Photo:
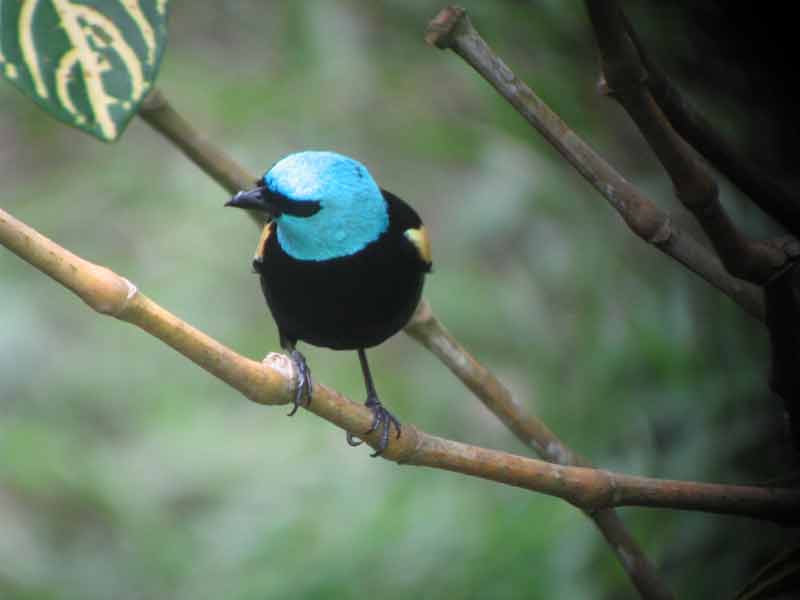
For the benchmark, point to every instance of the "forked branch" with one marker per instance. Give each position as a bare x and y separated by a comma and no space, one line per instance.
625,80
770,195
452,29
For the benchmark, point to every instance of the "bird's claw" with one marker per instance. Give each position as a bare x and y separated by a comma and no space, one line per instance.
382,420
353,440
304,383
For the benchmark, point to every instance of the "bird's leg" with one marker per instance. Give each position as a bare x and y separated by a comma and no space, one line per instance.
382,419
304,383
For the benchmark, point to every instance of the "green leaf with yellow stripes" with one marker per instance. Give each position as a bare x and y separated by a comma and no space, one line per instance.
88,63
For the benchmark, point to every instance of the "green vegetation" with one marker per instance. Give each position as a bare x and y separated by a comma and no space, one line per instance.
127,472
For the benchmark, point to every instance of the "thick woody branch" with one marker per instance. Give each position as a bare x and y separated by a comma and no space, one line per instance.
452,29
772,197
625,78
272,383
109,294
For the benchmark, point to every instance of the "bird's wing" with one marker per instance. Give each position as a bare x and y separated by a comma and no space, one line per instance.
405,223
418,236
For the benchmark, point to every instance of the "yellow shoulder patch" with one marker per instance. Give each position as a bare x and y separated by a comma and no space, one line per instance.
419,237
262,241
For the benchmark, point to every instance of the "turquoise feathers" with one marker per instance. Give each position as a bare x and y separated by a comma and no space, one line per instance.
353,211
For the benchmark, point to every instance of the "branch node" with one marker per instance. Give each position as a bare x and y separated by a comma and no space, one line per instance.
422,314
132,291
155,100
791,247
445,26
109,294
283,365
663,233
603,88
557,453
409,448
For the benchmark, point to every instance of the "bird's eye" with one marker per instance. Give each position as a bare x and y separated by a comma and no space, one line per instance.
304,209
296,208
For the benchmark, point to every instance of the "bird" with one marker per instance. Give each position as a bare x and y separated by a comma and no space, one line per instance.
342,263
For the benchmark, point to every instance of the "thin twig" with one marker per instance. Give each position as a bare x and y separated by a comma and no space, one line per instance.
624,78
272,383
425,328
452,29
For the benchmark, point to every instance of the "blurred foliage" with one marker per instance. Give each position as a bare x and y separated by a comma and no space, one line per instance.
126,472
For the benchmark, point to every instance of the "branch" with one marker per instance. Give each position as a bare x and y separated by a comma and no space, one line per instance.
758,262
271,382
161,116
452,29
428,330
772,197
783,321
425,328
625,78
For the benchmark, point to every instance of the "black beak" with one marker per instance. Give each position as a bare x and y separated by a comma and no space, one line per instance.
253,199
266,201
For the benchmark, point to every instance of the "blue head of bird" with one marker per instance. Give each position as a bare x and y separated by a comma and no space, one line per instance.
325,205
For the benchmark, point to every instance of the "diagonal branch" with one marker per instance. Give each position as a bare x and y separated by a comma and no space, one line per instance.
771,196
625,78
452,29
425,328
758,262
272,382
428,330
161,116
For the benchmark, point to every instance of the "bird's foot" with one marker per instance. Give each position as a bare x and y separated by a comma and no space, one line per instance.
304,383
382,420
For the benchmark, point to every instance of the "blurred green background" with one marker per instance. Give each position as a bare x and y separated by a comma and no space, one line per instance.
127,472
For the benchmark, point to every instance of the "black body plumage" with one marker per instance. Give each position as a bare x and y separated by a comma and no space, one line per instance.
350,302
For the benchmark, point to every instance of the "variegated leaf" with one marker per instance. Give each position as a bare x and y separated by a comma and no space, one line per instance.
89,63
